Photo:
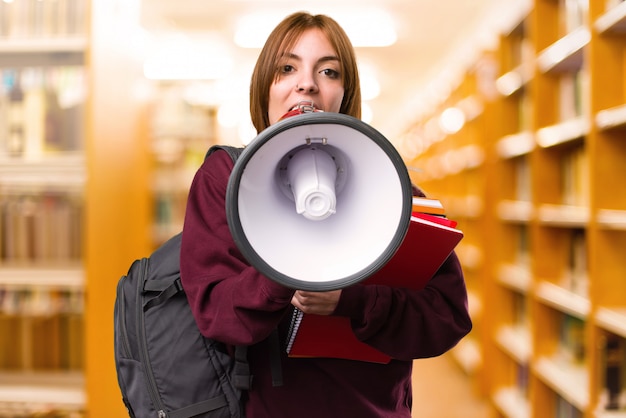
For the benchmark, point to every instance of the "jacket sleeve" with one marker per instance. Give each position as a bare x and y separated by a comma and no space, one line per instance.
408,324
230,300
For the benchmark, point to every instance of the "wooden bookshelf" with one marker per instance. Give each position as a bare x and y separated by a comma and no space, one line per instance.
552,222
74,195
453,167
608,233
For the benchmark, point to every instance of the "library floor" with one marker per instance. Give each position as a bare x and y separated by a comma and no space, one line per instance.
442,390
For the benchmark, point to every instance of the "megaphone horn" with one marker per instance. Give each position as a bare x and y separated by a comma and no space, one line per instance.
319,201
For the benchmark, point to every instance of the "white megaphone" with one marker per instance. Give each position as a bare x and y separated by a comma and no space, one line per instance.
319,201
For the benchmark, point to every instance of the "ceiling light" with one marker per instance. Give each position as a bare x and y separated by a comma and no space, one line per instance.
183,58
367,27
452,120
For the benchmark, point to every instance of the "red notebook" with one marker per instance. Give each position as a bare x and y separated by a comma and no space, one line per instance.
427,244
436,218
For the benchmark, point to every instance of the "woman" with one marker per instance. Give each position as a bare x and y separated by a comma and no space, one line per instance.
310,58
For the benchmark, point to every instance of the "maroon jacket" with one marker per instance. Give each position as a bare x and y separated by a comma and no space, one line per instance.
235,304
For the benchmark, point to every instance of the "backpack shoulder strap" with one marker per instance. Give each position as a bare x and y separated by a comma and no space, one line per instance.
242,378
234,152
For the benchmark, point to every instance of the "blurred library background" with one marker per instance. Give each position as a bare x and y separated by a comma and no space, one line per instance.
511,113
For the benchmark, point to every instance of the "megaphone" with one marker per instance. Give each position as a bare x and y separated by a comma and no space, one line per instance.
319,201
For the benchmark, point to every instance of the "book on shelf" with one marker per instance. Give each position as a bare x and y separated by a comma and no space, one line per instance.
574,166
565,409
522,378
41,110
46,326
522,250
523,176
524,111
572,339
41,227
576,277
573,88
613,368
428,243
520,47
35,19
520,310
573,14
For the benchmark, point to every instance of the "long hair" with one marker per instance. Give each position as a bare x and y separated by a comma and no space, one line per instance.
281,40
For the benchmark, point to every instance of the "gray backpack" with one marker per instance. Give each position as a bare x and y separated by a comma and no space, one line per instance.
165,367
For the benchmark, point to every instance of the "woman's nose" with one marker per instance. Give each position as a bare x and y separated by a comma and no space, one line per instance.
306,85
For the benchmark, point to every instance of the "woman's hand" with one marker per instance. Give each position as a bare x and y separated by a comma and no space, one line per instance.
320,303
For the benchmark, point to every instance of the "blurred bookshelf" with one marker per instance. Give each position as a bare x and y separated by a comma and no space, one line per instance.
547,218
61,236
181,132
42,178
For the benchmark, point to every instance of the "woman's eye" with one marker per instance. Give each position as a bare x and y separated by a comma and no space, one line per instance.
286,68
329,72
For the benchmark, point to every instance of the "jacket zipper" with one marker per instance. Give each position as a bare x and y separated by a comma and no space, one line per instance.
143,348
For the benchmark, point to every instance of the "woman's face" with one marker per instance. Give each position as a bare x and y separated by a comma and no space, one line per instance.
309,72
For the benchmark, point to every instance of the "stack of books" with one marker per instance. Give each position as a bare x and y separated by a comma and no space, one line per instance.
430,239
